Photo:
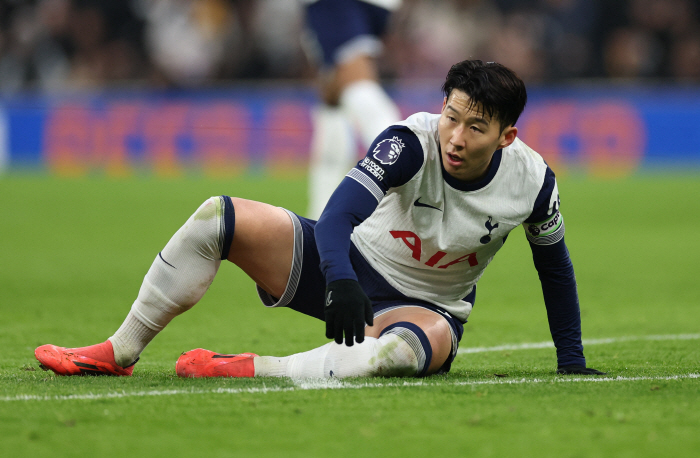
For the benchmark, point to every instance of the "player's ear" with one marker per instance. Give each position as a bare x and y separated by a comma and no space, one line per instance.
444,102
508,136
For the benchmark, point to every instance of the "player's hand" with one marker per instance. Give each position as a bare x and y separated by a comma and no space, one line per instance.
347,310
576,369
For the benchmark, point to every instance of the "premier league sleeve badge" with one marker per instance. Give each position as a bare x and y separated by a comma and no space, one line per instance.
388,150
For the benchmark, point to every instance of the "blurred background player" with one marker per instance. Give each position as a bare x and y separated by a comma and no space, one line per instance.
347,36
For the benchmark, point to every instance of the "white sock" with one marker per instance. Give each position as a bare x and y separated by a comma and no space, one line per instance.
130,340
333,154
369,108
387,356
176,281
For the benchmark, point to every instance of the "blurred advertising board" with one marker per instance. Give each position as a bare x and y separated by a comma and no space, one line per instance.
603,130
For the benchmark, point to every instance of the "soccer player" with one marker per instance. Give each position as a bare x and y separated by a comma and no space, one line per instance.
347,40
392,264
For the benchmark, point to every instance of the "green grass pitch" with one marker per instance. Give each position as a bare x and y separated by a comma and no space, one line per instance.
73,253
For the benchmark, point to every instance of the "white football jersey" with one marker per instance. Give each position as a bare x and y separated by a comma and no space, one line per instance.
432,241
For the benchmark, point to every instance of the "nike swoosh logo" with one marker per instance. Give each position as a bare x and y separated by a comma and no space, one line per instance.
417,203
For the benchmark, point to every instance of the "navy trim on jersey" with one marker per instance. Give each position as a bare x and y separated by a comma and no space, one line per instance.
556,273
473,185
540,210
228,224
471,297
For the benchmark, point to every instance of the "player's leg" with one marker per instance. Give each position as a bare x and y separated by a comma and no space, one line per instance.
347,35
409,341
263,244
256,236
364,107
182,273
359,104
363,100
406,341
333,153
433,335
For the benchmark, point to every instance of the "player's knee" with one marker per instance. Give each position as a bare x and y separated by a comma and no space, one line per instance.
405,351
210,229
402,350
187,265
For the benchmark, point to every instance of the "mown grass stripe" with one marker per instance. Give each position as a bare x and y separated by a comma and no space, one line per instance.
536,345
326,384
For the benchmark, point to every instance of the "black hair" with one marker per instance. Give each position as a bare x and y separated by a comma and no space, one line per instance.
495,89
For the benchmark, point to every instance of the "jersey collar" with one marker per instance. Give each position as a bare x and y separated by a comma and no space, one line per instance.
473,185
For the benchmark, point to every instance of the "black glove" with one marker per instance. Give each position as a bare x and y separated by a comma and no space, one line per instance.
347,309
576,369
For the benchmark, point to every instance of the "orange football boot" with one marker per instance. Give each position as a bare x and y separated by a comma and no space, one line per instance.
204,363
93,360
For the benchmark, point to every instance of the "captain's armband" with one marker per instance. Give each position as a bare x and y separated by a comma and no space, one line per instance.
547,232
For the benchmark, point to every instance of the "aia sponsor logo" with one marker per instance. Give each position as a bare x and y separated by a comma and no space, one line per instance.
387,151
414,243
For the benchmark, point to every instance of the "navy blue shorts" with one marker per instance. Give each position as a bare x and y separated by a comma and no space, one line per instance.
306,287
345,28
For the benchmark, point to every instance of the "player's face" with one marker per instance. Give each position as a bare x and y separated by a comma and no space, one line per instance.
469,137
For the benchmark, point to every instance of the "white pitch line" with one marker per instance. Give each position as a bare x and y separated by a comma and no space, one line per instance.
333,384
126,394
530,346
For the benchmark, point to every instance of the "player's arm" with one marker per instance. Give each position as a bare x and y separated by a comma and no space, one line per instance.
545,232
392,160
